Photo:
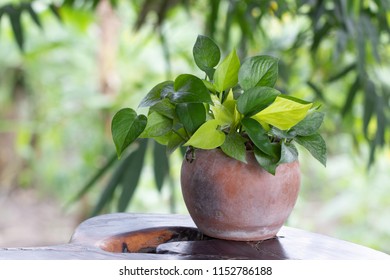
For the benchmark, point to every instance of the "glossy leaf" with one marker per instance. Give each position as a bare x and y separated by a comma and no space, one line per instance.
223,113
176,139
206,54
315,144
234,146
126,126
165,108
258,136
191,115
190,89
268,162
157,93
283,113
256,99
157,125
226,74
310,124
288,153
258,71
208,136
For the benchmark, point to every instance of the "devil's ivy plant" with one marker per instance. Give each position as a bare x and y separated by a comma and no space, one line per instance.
235,108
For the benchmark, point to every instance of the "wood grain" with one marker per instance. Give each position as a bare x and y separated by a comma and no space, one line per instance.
157,236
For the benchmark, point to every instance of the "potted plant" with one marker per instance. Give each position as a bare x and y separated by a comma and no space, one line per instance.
240,175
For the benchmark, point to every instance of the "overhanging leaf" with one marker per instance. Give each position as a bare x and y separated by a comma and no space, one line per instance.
288,153
268,162
283,113
126,126
234,146
208,136
315,144
258,71
310,124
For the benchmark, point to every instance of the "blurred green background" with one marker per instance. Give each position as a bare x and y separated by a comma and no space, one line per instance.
67,66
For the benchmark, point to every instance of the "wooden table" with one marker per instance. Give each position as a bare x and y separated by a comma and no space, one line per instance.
156,236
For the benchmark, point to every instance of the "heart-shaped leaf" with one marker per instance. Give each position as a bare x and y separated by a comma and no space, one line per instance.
190,89
226,74
126,126
283,113
208,136
258,71
206,54
256,99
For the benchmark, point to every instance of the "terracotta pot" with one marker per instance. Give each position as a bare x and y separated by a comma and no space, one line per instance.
232,200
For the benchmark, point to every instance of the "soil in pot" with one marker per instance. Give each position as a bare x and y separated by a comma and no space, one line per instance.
229,199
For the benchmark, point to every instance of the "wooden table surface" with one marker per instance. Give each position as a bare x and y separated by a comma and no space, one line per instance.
158,236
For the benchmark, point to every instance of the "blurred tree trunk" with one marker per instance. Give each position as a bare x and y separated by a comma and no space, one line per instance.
109,80
11,163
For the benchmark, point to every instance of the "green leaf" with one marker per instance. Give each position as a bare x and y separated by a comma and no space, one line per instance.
266,161
226,74
15,19
259,136
256,99
208,136
206,54
190,89
131,175
175,140
34,15
157,125
223,113
288,153
157,93
165,108
234,146
315,144
126,126
113,183
310,124
160,165
283,113
191,115
258,71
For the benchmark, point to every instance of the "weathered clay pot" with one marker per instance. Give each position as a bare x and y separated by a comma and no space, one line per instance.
232,200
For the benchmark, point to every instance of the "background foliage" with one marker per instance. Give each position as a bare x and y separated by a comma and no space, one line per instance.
67,66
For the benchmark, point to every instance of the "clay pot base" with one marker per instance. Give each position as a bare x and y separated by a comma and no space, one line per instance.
229,199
